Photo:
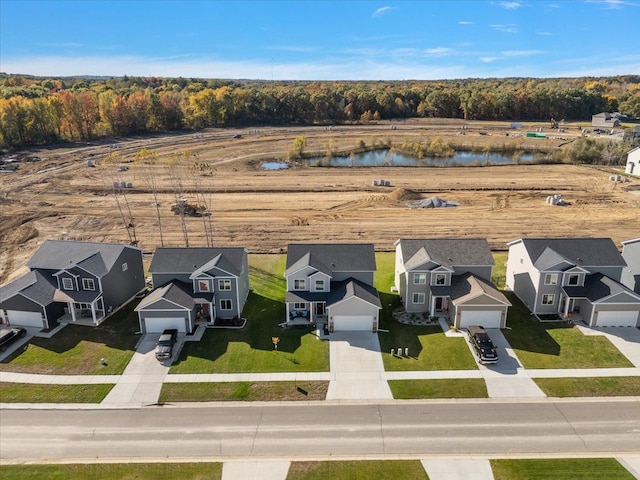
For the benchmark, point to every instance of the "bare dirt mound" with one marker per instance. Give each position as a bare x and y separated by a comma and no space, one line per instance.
404,194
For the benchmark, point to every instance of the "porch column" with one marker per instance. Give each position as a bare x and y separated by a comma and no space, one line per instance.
93,312
72,310
567,302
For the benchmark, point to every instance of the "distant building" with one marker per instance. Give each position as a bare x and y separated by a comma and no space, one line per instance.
633,162
605,119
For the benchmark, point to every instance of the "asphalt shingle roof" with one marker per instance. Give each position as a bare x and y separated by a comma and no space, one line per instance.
596,287
176,292
339,291
32,285
332,257
466,287
578,251
188,260
448,252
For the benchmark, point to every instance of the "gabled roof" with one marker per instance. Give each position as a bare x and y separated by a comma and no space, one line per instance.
576,251
467,287
189,260
448,252
597,287
175,292
331,257
95,258
32,285
350,288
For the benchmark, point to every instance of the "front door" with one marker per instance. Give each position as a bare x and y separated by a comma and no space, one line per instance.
441,304
319,310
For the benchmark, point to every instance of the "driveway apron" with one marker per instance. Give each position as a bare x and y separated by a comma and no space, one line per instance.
458,469
356,365
141,381
255,470
625,339
507,378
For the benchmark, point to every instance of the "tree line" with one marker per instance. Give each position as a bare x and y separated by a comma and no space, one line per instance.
37,111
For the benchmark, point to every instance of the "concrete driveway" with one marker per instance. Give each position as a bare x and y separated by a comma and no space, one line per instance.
356,365
507,378
141,381
625,339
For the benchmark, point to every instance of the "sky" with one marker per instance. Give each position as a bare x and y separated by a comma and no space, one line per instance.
321,40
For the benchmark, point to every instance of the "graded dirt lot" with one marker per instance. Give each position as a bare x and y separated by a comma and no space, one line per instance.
58,196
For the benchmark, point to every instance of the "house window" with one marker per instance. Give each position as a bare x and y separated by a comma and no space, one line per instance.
125,267
551,279
224,284
204,286
88,284
299,306
225,304
320,285
573,279
67,283
548,299
419,278
441,279
418,298
299,284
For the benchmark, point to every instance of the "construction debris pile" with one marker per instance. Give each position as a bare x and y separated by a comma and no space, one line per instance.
432,202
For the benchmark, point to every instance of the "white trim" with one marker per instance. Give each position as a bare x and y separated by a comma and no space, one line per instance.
413,297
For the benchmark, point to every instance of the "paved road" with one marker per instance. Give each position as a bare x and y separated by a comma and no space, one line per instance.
293,431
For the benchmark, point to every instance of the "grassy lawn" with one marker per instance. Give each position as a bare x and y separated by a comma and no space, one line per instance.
499,272
115,471
77,350
356,470
35,393
560,469
449,388
590,387
556,345
243,391
251,349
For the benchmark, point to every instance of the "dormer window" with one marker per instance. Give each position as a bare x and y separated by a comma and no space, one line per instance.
67,283
88,284
551,279
319,285
224,284
299,284
441,279
419,278
204,286
573,279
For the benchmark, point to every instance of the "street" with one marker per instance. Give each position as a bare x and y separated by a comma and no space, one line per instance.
295,431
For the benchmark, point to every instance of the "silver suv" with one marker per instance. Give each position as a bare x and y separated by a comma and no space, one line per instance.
164,347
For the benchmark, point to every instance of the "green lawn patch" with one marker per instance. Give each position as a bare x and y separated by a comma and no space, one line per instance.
77,350
36,393
243,391
499,272
429,349
556,344
440,388
357,470
115,471
560,469
590,386
251,349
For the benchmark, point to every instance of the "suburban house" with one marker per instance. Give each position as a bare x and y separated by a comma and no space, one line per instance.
194,286
577,278
450,278
72,282
332,285
605,119
633,162
631,273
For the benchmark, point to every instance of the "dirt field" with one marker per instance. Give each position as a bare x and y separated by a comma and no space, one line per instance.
59,197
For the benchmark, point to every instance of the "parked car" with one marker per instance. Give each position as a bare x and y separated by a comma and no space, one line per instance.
10,335
482,344
164,347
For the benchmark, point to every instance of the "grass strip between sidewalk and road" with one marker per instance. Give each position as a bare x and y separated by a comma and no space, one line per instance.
560,469
114,471
590,386
39,393
438,388
243,391
378,469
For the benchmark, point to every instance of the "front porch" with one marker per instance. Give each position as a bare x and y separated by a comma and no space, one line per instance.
309,313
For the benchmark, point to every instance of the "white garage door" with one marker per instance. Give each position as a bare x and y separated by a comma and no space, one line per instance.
25,319
486,318
157,325
617,319
345,323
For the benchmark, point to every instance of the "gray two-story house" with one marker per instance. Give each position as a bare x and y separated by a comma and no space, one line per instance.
332,285
577,278
73,282
194,286
631,273
450,278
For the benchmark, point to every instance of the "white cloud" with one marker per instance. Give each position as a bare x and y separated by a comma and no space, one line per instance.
438,52
545,33
615,4
463,22
511,5
381,11
489,59
291,48
521,53
510,28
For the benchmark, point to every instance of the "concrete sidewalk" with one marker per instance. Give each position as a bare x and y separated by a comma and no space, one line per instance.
357,367
457,469
632,464
276,470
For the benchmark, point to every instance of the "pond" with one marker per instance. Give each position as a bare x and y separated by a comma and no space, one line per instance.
274,166
386,158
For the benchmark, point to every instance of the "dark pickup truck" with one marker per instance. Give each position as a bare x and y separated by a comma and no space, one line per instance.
482,344
10,335
164,347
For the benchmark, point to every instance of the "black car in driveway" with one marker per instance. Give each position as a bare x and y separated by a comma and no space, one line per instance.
164,347
482,344
10,335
